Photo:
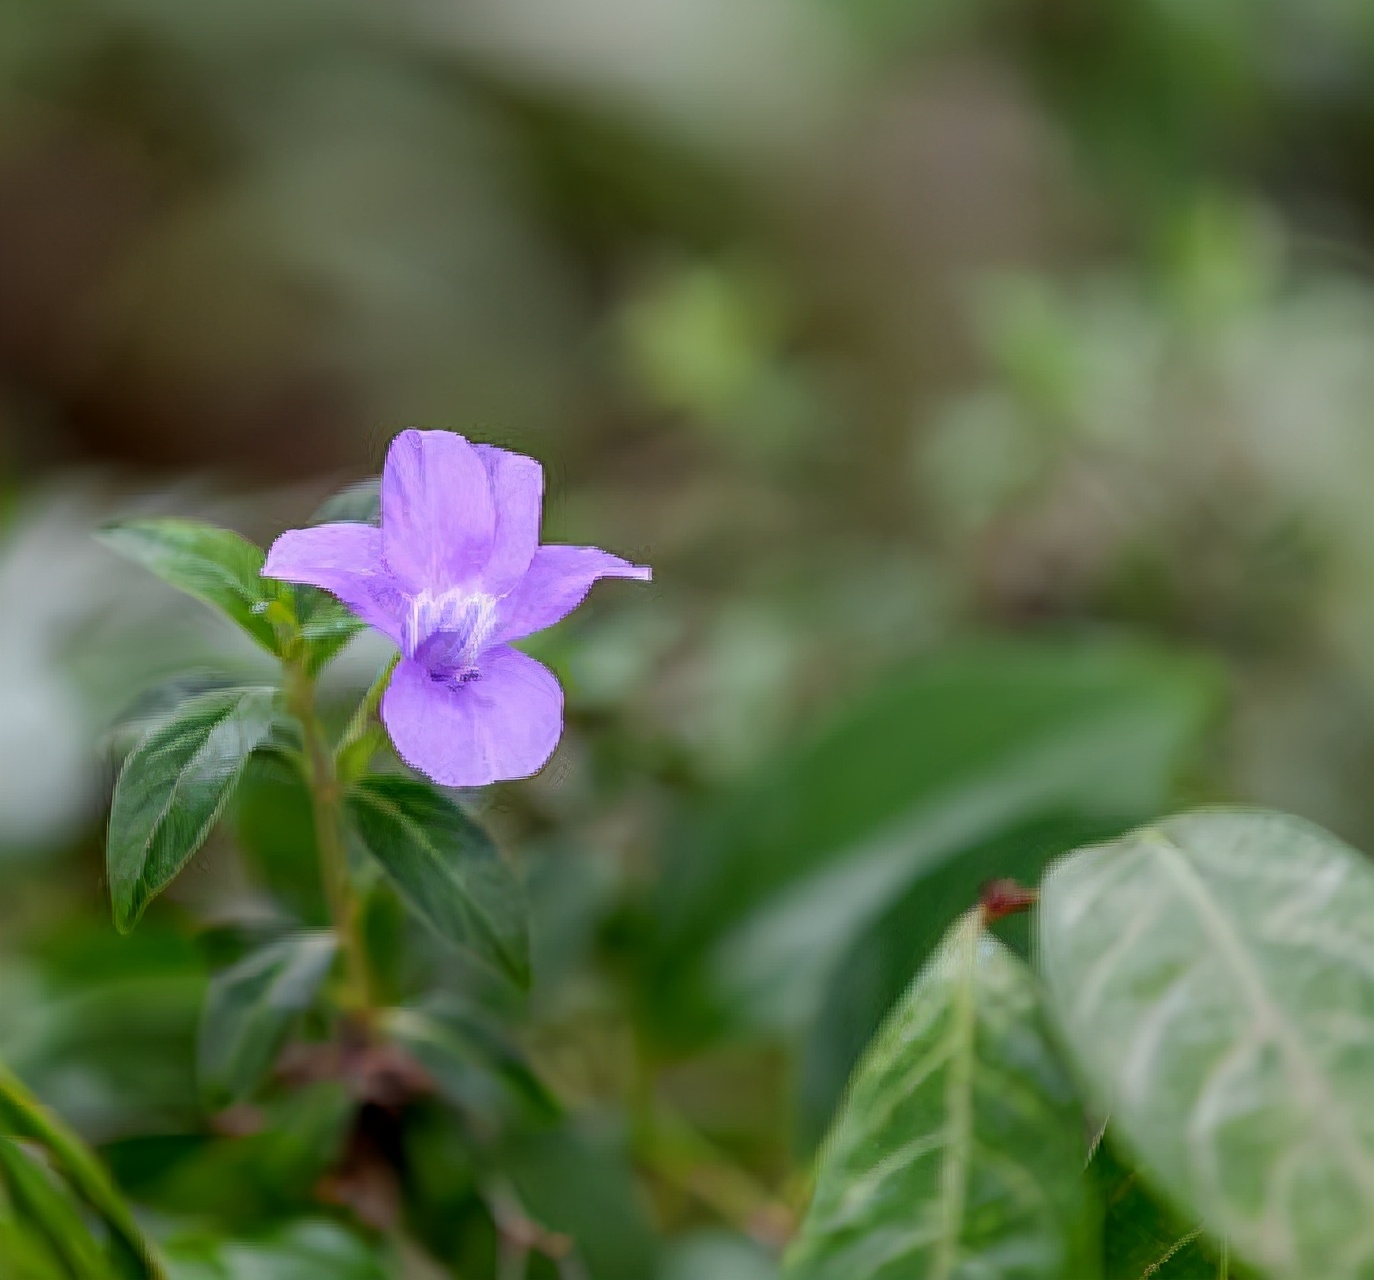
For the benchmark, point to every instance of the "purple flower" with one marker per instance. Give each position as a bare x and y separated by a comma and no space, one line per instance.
454,574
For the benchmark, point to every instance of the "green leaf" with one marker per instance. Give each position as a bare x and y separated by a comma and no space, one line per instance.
445,867
577,1181
25,1117
250,1008
1142,1238
476,1067
359,503
882,960
1214,979
765,895
50,1211
172,789
959,1151
326,625
303,1251
213,564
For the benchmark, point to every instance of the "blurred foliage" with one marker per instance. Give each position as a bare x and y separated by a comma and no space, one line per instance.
988,384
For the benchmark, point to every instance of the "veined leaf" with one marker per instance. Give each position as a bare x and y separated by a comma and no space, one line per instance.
50,1212
213,564
958,1151
445,867
172,789
1214,979
250,1007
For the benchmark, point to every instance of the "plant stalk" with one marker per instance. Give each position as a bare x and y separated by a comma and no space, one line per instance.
325,795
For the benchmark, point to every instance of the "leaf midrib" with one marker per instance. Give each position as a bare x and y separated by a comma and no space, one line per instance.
470,907
145,849
959,1104
1306,1078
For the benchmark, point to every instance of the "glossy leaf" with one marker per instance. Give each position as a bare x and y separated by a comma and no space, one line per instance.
250,1008
49,1210
1214,979
766,894
213,564
174,786
445,867
959,1150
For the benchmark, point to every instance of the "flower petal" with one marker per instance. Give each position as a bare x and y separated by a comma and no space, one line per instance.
437,513
346,560
504,724
517,487
557,582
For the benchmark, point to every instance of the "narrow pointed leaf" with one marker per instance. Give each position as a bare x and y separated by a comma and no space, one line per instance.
445,867
250,1008
22,1115
52,1214
174,786
958,1152
213,564
1214,979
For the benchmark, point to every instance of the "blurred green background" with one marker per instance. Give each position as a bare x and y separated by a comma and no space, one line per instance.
989,383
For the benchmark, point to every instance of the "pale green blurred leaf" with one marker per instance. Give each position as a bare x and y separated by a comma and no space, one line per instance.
1214,979
765,895
215,565
250,1007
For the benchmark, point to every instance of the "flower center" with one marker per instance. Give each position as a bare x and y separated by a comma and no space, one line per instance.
447,632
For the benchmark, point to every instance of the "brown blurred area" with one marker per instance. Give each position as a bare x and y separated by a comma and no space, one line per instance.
872,324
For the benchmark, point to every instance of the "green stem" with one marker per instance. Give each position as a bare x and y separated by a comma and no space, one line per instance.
80,1166
363,735
325,794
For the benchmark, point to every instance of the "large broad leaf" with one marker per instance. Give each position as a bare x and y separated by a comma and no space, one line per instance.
445,867
1214,979
213,564
764,896
250,1008
881,961
172,789
959,1151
